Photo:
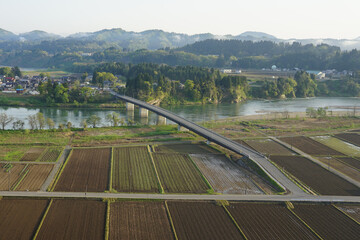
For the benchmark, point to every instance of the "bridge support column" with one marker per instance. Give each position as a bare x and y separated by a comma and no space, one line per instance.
161,120
182,129
130,106
144,113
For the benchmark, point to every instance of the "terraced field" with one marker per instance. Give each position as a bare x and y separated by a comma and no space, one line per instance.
74,219
133,170
268,221
310,146
20,218
328,222
269,147
178,174
316,177
87,170
139,220
352,138
223,175
202,220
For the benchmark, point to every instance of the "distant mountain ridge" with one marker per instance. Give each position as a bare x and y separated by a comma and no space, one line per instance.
155,39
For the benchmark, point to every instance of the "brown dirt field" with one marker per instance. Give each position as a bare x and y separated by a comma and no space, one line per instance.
87,170
202,220
185,148
268,221
341,166
242,142
14,176
33,154
139,220
351,161
352,138
20,218
269,147
310,146
225,176
351,210
315,176
74,219
35,178
51,155
328,222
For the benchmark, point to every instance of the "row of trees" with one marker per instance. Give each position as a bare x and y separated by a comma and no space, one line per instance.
38,122
10,72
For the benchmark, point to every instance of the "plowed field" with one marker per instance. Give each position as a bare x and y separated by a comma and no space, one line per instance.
33,154
133,170
353,138
86,170
351,210
269,147
223,175
202,220
315,176
178,174
20,218
35,178
328,222
74,219
268,221
10,177
51,155
185,148
310,146
139,220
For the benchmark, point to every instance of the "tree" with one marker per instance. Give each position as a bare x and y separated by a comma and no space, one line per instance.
93,120
40,120
84,124
68,125
5,120
50,123
16,71
305,84
113,118
32,121
18,125
84,76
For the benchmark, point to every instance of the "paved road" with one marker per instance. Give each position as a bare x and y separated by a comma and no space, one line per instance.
230,197
258,158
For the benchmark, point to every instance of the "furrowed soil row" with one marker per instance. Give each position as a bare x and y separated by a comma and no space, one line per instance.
186,148
269,147
268,221
178,174
315,176
223,175
33,154
51,155
202,220
327,221
352,138
74,219
10,175
351,210
35,177
86,170
20,218
133,170
310,146
139,220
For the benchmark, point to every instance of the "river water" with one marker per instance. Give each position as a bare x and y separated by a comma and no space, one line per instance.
195,113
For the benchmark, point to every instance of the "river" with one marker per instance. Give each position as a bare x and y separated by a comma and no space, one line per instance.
195,113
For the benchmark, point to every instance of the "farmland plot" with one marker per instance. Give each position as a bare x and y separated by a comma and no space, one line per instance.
51,154
315,176
268,221
310,146
9,175
74,219
223,175
187,148
269,147
33,154
202,220
351,210
20,218
339,145
133,170
178,174
352,138
12,152
86,170
139,220
328,222
343,165
35,178
353,162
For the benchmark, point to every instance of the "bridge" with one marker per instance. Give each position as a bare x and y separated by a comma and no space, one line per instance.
211,136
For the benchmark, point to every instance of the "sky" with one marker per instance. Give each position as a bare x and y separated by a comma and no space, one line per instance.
281,18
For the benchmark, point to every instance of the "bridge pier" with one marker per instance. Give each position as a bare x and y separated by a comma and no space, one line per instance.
182,129
161,120
144,113
130,106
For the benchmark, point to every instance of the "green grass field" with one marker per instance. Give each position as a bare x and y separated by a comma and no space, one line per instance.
339,145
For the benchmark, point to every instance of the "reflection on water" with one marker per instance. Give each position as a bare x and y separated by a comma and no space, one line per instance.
197,113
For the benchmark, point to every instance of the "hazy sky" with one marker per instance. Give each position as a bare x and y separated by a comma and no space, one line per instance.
282,18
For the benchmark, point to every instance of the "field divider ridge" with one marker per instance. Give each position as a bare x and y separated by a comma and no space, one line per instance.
347,215
297,216
42,154
233,220
211,190
111,169
162,191
20,179
43,219
61,152
107,220
57,177
171,221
